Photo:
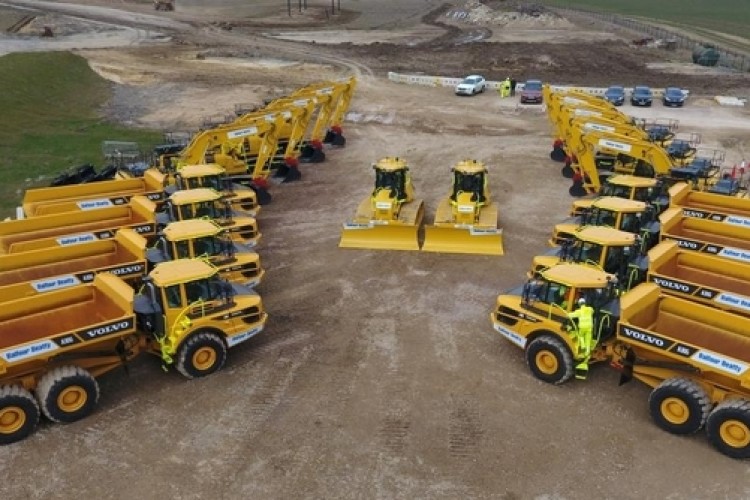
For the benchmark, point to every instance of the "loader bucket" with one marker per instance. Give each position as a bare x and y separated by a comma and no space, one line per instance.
449,239
380,237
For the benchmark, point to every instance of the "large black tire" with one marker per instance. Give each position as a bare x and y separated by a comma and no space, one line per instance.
728,428
67,394
550,360
679,406
19,414
201,354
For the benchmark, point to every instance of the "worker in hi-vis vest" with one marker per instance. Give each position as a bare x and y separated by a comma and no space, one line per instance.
585,316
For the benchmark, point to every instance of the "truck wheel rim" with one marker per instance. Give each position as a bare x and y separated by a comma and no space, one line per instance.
546,362
12,418
204,358
735,433
72,398
675,411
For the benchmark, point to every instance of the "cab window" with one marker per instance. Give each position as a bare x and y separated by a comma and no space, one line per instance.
197,291
174,298
182,249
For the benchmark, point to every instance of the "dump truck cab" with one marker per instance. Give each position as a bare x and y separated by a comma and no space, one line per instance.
213,176
534,316
466,219
390,217
614,251
630,187
192,315
618,213
209,204
200,238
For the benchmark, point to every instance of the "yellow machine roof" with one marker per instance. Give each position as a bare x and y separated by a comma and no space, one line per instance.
190,171
470,167
187,196
632,181
391,164
180,271
577,275
605,235
189,229
619,204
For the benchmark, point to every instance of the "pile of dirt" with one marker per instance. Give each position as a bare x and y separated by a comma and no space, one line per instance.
521,16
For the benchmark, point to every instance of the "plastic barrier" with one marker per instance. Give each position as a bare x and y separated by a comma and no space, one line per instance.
441,81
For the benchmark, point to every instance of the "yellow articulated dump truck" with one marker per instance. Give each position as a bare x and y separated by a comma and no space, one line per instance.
701,277
390,217
466,219
54,345
46,270
60,230
205,203
201,238
730,241
696,357
710,206
94,195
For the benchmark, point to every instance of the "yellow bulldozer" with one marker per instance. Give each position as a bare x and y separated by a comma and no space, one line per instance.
390,217
466,219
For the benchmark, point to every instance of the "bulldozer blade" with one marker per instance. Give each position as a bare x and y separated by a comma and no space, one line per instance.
379,237
447,239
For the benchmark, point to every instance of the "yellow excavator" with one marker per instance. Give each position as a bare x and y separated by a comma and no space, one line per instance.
466,219
390,217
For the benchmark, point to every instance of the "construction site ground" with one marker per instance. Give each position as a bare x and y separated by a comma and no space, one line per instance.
379,374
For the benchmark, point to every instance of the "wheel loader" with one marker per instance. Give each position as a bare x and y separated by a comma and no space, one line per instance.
466,219
390,217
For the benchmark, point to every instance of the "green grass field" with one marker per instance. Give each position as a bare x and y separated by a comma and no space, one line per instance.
727,16
51,121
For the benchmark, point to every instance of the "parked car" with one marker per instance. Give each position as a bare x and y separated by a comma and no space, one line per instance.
673,96
472,84
615,94
642,96
532,92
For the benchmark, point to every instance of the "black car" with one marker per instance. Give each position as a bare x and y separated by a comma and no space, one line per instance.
673,96
615,94
642,96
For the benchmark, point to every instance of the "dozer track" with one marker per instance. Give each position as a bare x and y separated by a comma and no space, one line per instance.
482,238
399,234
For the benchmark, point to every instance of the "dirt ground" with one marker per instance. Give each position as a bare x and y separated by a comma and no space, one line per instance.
379,374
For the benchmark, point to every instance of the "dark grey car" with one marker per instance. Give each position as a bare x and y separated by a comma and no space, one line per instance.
642,96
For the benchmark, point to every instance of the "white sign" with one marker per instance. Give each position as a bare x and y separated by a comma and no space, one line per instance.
241,337
28,350
619,146
723,363
242,132
737,301
735,253
94,204
737,221
75,239
511,335
55,283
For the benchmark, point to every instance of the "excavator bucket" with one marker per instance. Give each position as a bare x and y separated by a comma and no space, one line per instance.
401,234
482,238
287,173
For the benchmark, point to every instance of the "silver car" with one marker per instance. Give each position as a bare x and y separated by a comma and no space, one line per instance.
472,84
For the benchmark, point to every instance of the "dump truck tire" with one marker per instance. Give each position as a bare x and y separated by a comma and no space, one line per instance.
728,428
19,414
201,354
67,394
550,360
679,406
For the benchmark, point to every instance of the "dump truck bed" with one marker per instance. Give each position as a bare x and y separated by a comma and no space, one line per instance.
91,196
680,329
46,270
78,227
705,278
76,311
731,241
710,206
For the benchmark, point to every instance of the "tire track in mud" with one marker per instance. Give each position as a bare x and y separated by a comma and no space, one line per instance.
465,429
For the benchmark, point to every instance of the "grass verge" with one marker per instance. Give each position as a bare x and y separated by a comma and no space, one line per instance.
51,120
